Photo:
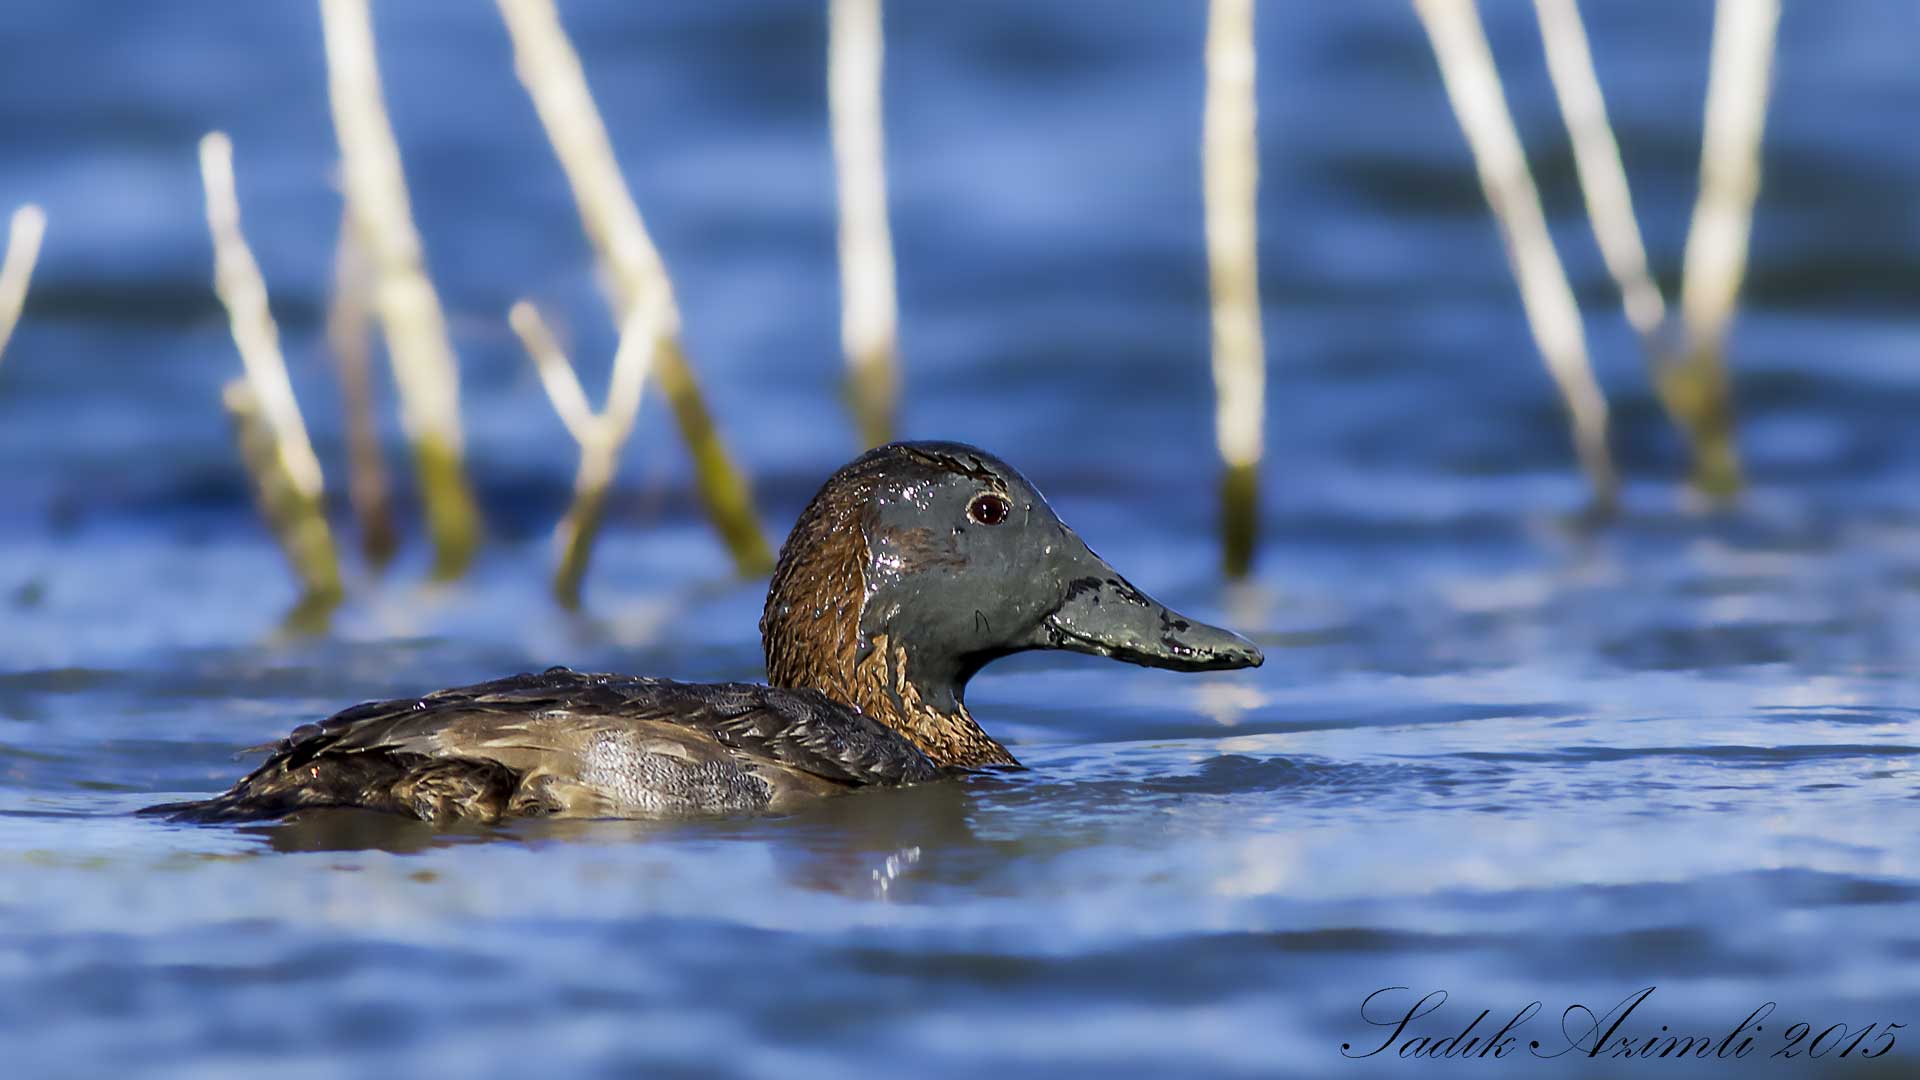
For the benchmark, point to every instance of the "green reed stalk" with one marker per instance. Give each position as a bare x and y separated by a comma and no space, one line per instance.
550,69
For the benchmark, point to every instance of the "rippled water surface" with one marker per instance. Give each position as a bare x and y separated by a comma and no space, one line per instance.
1491,752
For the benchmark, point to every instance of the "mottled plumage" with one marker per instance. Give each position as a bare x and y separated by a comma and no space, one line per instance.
573,744
896,585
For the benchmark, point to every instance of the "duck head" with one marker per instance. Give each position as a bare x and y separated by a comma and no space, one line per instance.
919,563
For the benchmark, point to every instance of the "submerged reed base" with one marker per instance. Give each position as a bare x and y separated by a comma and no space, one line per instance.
453,520
578,530
1696,391
873,395
295,518
1239,517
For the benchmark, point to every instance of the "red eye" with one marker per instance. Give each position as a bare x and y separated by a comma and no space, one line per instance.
988,508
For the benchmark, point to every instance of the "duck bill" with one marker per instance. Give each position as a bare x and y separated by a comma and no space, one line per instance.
1104,615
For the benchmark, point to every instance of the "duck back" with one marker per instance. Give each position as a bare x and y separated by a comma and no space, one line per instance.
569,744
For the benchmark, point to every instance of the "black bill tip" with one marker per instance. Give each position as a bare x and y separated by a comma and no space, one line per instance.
1175,643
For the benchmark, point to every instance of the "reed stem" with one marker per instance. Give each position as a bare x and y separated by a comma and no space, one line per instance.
1473,87
1231,169
28,225
418,345
268,427
600,435
1694,384
550,69
869,307
349,326
1596,157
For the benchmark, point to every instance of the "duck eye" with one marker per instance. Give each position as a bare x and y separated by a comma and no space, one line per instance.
988,508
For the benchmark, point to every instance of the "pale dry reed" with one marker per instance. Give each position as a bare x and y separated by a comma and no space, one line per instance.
28,225
1231,170
1596,157
600,435
1473,87
1689,369
550,69
1695,385
272,435
869,307
418,345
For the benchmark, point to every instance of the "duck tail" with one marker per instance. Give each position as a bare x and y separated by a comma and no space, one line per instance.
228,806
275,790
431,790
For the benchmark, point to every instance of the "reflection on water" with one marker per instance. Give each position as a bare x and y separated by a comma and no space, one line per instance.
1492,751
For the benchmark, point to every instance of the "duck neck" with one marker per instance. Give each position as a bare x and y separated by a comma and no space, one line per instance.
812,634
816,644
922,703
877,676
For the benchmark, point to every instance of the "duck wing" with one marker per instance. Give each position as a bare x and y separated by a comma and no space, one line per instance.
569,743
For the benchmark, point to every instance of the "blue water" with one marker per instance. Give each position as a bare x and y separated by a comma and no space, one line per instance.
1491,752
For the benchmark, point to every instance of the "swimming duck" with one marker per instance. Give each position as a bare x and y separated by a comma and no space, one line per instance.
910,569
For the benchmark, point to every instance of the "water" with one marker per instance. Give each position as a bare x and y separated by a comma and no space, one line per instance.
1490,753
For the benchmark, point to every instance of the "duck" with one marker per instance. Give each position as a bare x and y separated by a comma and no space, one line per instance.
911,568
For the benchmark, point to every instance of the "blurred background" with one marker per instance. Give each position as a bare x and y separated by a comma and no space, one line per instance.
1492,751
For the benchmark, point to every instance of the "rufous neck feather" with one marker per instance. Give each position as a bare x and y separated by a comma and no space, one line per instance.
811,631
